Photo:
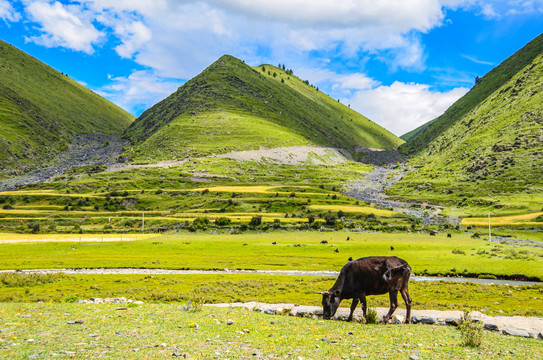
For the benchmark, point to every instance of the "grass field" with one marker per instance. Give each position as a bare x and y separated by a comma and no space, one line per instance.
426,254
157,331
221,288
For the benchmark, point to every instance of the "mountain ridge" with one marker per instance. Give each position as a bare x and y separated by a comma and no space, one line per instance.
491,157
42,110
237,107
418,138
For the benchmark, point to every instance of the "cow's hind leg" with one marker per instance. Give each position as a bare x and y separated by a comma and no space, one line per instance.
353,307
408,301
363,301
393,305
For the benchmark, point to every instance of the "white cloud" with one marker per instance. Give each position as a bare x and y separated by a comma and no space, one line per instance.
7,12
488,11
477,61
138,91
133,36
66,26
403,107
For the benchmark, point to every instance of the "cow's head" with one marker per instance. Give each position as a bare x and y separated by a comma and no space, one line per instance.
330,303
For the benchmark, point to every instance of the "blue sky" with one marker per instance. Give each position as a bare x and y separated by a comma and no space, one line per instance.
399,62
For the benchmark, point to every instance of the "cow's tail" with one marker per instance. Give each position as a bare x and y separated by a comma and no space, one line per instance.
403,270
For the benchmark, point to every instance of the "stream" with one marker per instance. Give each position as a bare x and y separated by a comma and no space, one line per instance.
128,271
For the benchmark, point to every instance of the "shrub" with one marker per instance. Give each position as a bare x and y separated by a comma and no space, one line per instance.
311,218
200,223
256,220
371,316
223,221
458,251
330,219
470,332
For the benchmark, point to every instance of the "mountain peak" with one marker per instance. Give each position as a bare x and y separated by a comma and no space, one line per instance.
231,106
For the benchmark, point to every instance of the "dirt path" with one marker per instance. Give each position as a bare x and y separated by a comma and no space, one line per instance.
508,325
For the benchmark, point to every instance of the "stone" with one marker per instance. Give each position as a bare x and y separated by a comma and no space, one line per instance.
93,335
413,357
427,320
121,308
229,322
515,332
269,311
452,322
325,339
415,319
398,319
491,327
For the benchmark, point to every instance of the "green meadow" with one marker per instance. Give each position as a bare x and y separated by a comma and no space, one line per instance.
435,255
156,331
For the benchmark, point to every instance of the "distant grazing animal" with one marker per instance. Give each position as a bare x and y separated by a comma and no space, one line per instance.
348,238
391,248
374,275
449,235
336,250
432,233
324,242
274,243
350,258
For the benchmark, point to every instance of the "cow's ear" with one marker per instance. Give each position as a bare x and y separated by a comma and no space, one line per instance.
337,292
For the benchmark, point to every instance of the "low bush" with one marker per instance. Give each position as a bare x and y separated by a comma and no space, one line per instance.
471,332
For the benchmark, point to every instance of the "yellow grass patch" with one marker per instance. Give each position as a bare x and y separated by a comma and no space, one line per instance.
43,192
355,209
7,238
504,220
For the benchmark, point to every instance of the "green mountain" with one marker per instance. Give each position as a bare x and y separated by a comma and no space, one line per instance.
41,110
419,138
231,106
492,156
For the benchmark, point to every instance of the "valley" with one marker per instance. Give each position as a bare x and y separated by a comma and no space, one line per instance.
247,184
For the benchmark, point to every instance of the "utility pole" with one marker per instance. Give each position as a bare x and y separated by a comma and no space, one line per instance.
489,232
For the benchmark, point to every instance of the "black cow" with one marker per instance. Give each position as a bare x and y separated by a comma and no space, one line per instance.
374,275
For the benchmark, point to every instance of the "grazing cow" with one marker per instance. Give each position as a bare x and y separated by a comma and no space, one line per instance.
324,242
374,275
274,243
391,247
336,250
350,258
348,238
432,233
449,235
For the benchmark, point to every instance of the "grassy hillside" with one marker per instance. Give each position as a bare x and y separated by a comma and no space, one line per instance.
41,110
490,158
419,138
231,106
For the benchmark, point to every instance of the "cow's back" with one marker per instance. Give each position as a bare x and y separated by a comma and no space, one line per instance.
365,275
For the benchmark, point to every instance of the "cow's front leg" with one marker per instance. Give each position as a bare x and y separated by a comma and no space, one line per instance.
363,301
353,307
393,305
